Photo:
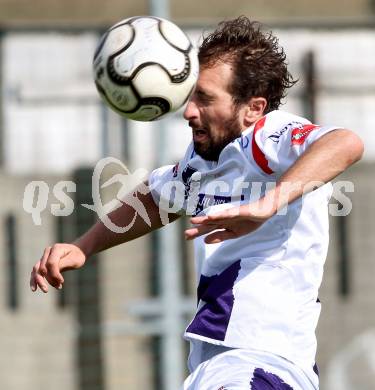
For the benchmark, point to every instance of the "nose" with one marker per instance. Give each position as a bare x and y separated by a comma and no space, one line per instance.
191,110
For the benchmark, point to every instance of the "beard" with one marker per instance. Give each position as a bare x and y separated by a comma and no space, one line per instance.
211,147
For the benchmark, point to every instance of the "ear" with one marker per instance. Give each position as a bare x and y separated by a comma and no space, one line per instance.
254,110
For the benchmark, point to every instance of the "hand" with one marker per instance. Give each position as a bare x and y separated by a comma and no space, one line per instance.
230,223
55,260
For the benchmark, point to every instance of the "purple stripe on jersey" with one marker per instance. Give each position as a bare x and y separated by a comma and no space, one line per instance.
316,369
217,292
263,380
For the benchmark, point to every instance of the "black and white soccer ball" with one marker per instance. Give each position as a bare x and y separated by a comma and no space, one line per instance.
145,67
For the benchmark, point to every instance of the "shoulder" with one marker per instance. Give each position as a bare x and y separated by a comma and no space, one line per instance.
272,136
277,123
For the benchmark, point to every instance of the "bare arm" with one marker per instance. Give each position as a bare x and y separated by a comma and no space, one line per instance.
63,257
99,237
326,158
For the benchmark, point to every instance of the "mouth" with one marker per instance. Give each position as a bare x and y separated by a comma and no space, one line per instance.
200,135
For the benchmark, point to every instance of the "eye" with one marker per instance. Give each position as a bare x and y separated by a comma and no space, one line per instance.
203,97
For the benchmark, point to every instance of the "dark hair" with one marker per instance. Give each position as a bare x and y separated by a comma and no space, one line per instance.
260,67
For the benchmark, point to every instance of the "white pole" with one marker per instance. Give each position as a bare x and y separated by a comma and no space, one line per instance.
159,8
169,265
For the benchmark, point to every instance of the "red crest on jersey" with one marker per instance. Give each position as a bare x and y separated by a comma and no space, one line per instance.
258,155
299,134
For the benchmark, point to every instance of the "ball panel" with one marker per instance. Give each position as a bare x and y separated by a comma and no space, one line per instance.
150,109
145,67
124,99
100,45
174,35
155,78
115,41
159,85
119,39
140,109
148,46
194,64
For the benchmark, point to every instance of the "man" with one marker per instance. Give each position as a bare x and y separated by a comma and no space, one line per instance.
253,178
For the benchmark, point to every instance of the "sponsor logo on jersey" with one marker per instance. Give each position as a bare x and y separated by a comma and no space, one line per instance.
299,134
205,201
275,137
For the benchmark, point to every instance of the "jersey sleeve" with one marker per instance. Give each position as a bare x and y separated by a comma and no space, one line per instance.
167,186
279,140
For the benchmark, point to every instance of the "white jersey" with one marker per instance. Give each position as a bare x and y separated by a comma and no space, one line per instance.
259,291
248,370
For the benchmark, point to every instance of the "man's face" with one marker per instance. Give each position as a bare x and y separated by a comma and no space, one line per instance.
213,117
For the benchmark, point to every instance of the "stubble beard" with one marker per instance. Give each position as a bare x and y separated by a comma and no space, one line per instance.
210,149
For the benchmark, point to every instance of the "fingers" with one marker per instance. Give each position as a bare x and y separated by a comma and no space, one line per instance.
47,269
52,265
219,236
219,233
42,267
55,260
33,283
37,280
199,230
227,224
208,219
209,223
199,220
219,217
39,271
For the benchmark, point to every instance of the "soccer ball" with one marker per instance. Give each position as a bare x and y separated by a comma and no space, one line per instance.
145,67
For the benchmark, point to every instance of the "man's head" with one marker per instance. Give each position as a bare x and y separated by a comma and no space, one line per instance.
243,74
259,63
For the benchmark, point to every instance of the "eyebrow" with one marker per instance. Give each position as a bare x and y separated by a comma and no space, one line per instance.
204,94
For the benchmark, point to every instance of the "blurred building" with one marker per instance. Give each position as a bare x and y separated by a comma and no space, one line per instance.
96,12
105,331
